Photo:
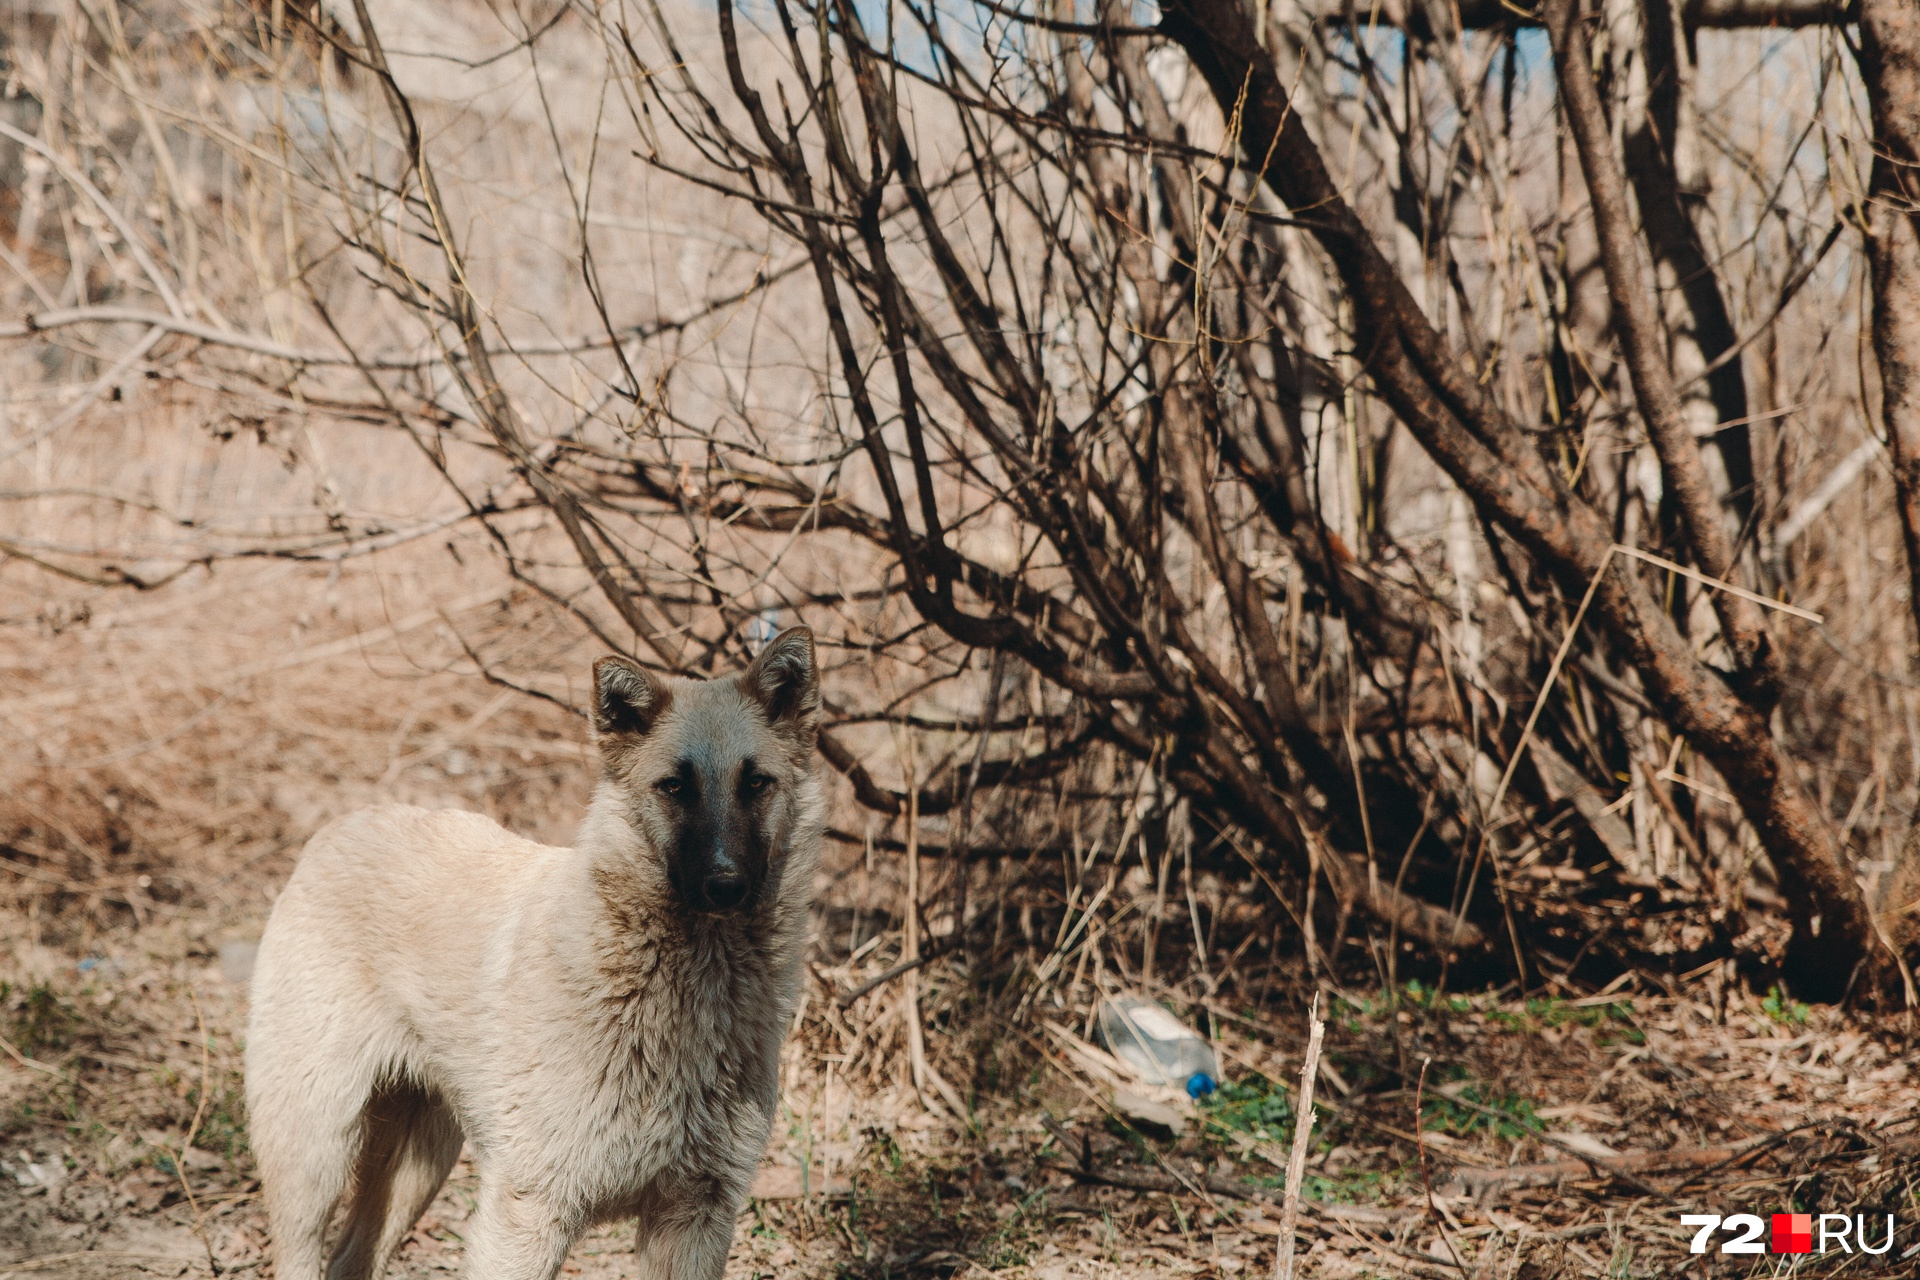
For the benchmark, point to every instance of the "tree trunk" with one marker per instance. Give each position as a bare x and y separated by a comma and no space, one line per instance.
1756,665
1662,142
1890,64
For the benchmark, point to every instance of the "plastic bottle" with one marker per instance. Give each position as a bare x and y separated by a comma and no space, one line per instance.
1164,1050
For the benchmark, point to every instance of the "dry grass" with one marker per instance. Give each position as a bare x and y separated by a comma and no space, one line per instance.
1716,1101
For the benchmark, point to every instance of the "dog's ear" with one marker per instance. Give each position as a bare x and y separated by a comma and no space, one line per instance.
786,683
627,699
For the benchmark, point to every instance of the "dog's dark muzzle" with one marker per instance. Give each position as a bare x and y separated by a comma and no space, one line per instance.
724,891
720,883
717,867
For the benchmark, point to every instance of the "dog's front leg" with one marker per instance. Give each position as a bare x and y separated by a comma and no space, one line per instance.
516,1235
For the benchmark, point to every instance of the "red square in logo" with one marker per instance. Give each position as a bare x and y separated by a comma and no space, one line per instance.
1793,1233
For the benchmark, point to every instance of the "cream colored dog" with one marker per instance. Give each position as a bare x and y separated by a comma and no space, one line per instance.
601,1023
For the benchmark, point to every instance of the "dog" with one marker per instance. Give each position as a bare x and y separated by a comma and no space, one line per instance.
602,1023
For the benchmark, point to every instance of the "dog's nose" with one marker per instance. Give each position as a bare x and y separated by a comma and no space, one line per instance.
725,891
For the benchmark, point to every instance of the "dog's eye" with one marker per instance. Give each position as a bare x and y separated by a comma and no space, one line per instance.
671,786
759,782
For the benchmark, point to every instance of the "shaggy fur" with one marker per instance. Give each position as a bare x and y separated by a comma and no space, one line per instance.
602,1023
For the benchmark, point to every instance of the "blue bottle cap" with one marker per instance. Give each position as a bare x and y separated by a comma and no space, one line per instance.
1199,1085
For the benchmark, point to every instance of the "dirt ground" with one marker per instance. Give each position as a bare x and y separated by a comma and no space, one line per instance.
1560,1136
1557,1134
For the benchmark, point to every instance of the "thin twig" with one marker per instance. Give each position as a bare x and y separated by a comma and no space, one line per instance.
1426,1181
32,1064
193,1129
1302,1138
1718,584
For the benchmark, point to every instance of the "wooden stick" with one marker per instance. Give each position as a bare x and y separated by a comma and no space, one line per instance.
1302,1135
916,1045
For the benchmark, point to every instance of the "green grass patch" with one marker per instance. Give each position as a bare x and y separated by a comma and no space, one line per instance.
1430,1000
1512,1115
1361,1186
223,1125
1255,1107
1613,1020
1783,1009
1384,1003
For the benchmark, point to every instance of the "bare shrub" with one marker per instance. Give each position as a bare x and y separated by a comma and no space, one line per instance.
1284,466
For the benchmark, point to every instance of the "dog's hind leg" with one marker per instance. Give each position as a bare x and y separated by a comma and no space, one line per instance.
299,1205
411,1142
515,1235
304,1148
